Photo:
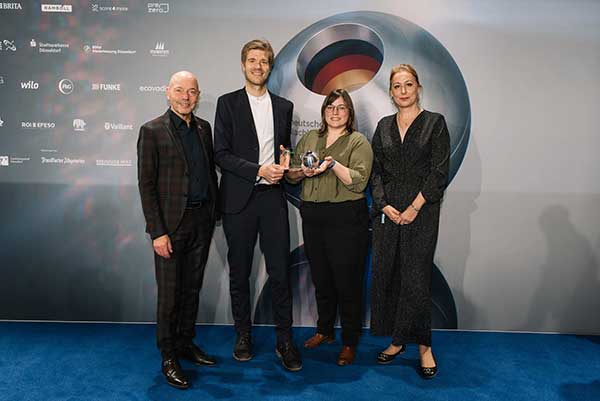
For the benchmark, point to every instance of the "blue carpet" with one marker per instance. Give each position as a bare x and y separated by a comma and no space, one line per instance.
88,362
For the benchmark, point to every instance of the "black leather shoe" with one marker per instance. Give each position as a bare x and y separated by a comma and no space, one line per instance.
289,355
195,355
242,350
428,373
172,371
384,358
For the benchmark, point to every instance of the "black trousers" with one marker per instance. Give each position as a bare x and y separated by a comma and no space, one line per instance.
266,216
179,280
336,245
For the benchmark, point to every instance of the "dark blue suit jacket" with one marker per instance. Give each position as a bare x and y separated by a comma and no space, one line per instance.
236,145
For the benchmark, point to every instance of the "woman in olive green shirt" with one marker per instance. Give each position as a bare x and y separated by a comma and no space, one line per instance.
335,219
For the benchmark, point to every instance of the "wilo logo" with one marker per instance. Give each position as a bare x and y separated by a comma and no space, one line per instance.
65,86
79,124
30,85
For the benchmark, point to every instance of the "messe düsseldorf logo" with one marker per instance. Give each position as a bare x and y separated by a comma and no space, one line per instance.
79,124
8,45
158,8
10,6
159,50
66,86
57,8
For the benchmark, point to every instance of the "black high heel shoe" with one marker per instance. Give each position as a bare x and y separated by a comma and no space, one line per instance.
428,373
384,359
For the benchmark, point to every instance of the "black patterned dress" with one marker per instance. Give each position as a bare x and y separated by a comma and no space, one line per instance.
403,254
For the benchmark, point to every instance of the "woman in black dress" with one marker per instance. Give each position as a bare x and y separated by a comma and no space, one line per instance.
410,170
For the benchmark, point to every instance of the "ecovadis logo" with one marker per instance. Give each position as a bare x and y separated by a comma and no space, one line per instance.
57,8
65,86
11,6
153,88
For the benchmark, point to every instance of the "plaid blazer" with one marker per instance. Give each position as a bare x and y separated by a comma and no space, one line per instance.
163,174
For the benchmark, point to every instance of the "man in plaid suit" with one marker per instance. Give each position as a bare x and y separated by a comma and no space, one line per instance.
178,189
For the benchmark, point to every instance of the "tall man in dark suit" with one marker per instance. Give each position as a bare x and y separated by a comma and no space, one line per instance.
251,125
178,187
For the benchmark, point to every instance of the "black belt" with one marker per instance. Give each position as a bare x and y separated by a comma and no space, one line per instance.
196,204
265,187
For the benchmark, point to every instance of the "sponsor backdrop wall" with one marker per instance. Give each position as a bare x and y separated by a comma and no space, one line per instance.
519,245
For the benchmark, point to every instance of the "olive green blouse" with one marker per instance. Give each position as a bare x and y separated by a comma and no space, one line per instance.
352,150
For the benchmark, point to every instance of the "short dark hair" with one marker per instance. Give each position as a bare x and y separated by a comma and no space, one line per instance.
329,99
258,44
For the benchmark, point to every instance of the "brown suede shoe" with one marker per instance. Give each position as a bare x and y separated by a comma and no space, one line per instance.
346,356
317,340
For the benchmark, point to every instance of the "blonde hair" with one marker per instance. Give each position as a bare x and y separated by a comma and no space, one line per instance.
258,44
404,67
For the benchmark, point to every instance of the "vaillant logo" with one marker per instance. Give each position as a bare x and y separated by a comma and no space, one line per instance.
65,86
104,87
158,8
57,8
8,46
159,50
10,6
110,126
30,85
79,124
